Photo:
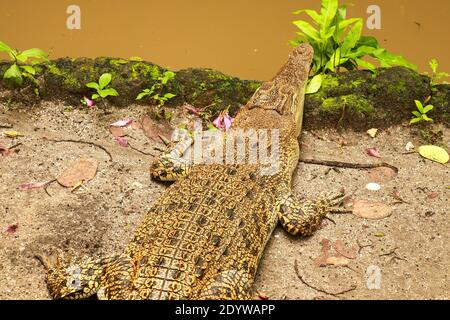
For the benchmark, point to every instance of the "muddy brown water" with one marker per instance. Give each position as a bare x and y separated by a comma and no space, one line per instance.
247,38
408,250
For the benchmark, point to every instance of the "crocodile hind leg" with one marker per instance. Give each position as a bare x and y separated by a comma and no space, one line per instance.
171,165
303,218
72,277
228,285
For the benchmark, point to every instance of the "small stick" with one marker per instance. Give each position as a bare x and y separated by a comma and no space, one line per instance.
334,294
140,151
46,186
85,142
348,165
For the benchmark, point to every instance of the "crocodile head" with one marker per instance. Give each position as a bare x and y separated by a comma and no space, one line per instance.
285,93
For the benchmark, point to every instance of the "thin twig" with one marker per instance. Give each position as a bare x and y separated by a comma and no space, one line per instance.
140,151
85,142
46,186
348,165
15,146
334,294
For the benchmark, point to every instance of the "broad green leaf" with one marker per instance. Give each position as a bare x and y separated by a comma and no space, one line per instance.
365,64
352,37
32,53
169,95
313,14
108,92
29,69
104,80
364,51
334,61
342,12
434,153
419,105
314,84
426,118
327,34
417,114
345,23
388,59
95,96
14,73
328,12
308,30
93,85
4,47
428,108
142,95
368,41
415,120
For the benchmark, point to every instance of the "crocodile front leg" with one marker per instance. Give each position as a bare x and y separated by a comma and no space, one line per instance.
171,165
303,218
228,285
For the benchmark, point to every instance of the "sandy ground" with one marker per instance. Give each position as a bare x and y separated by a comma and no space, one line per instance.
403,256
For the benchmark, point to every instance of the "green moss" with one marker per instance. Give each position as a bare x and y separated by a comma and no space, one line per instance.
141,69
351,102
397,87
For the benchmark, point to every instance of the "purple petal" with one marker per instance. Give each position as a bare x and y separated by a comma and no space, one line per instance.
192,109
90,103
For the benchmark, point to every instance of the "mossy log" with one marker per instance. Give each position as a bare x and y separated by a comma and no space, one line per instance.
357,98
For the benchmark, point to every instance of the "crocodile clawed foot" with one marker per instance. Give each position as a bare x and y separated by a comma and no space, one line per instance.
335,202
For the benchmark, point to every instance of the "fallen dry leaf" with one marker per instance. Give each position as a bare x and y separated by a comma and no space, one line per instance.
4,151
81,170
153,129
372,132
433,195
337,261
117,131
342,249
372,210
12,134
434,153
382,174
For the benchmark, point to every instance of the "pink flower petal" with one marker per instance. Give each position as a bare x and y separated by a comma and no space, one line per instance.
218,123
90,103
227,121
373,152
32,185
192,109
122,141
121,123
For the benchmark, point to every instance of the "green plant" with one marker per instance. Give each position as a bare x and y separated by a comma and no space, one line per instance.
436,76
421,114
23,63
155,91
338,41
102,87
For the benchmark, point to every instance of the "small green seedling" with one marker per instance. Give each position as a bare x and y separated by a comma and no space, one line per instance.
23,63
421,114
436,76
160,81
102,88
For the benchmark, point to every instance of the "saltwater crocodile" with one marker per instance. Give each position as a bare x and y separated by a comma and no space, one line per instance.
204,236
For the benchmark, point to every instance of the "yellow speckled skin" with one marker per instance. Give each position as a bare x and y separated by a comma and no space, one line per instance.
204,236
